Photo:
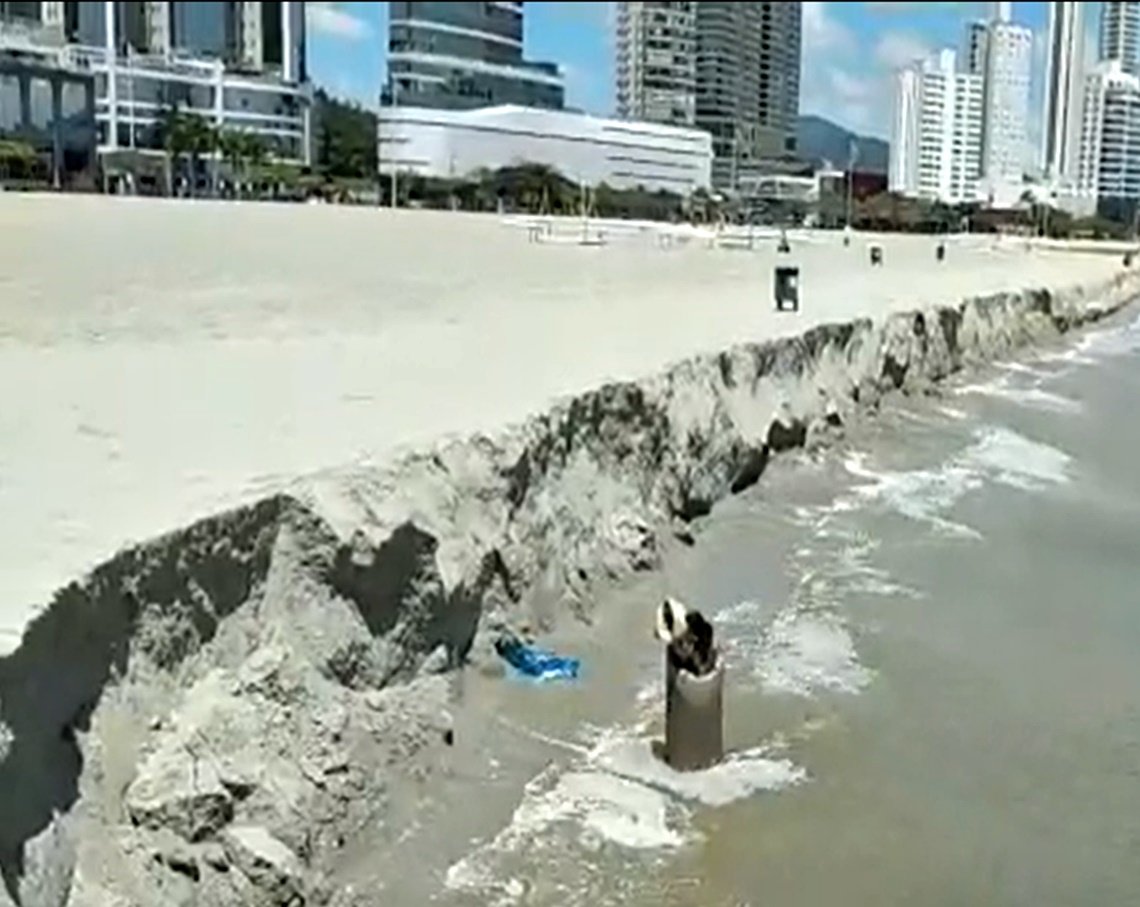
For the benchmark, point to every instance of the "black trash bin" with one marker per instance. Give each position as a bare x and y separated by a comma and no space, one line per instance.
940,252
876,255
787,289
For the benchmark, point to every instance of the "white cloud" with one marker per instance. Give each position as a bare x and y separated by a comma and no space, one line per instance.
330,19
827,42
902,6
857,96
847,77
851,89
896,49
822,32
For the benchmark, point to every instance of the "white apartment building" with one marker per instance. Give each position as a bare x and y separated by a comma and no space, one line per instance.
1006,110
1120,34
433,142
1109,171
657,62
1064,90
936,140
960,131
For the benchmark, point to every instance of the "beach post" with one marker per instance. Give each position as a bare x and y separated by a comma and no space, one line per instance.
940,251
787,289
694,717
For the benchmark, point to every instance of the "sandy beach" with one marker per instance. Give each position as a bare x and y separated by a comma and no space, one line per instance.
161,360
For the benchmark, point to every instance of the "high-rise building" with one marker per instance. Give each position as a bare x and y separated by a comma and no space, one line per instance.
464,55
936,132
273,38
1001,11
748,84
1109,170
733,69
1120,33
1064,88
781,44
657,62
974,48
1006,111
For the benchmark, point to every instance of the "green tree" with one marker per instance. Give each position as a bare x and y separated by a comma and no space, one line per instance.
202,140
174,135
231,148
18,160
345,139
255,154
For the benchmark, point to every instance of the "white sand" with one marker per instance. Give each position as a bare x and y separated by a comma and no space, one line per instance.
160,360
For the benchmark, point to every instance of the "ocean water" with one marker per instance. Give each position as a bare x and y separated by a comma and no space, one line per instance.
933,635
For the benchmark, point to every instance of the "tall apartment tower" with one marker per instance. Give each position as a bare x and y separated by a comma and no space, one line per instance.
463,55
732,69
1120,34
936,130
975,47
1006,114
1064,89
748,78
657,62
781,45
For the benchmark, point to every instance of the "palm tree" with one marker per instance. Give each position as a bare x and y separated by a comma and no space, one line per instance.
232,148
255,152
200,138
174,133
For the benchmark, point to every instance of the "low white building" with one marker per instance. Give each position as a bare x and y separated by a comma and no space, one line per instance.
586,149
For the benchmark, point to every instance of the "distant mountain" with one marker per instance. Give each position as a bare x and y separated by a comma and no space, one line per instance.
819,140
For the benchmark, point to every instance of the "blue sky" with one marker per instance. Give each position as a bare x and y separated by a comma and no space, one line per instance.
850,49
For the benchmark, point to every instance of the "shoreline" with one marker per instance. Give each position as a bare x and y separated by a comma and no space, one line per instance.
258,629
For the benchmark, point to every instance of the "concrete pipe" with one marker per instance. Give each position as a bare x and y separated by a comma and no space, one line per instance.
694,717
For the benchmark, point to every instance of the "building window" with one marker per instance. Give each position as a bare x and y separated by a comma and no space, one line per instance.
10,116
40,97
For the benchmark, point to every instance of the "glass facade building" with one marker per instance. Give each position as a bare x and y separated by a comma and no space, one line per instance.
238,65
748,84
465,55
208,29
50,108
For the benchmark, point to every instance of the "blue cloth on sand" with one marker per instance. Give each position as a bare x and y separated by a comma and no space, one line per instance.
534,662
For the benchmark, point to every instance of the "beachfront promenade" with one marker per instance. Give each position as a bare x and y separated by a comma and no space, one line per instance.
160,360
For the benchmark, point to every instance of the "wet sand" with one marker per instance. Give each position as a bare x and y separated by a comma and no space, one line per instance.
931,632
